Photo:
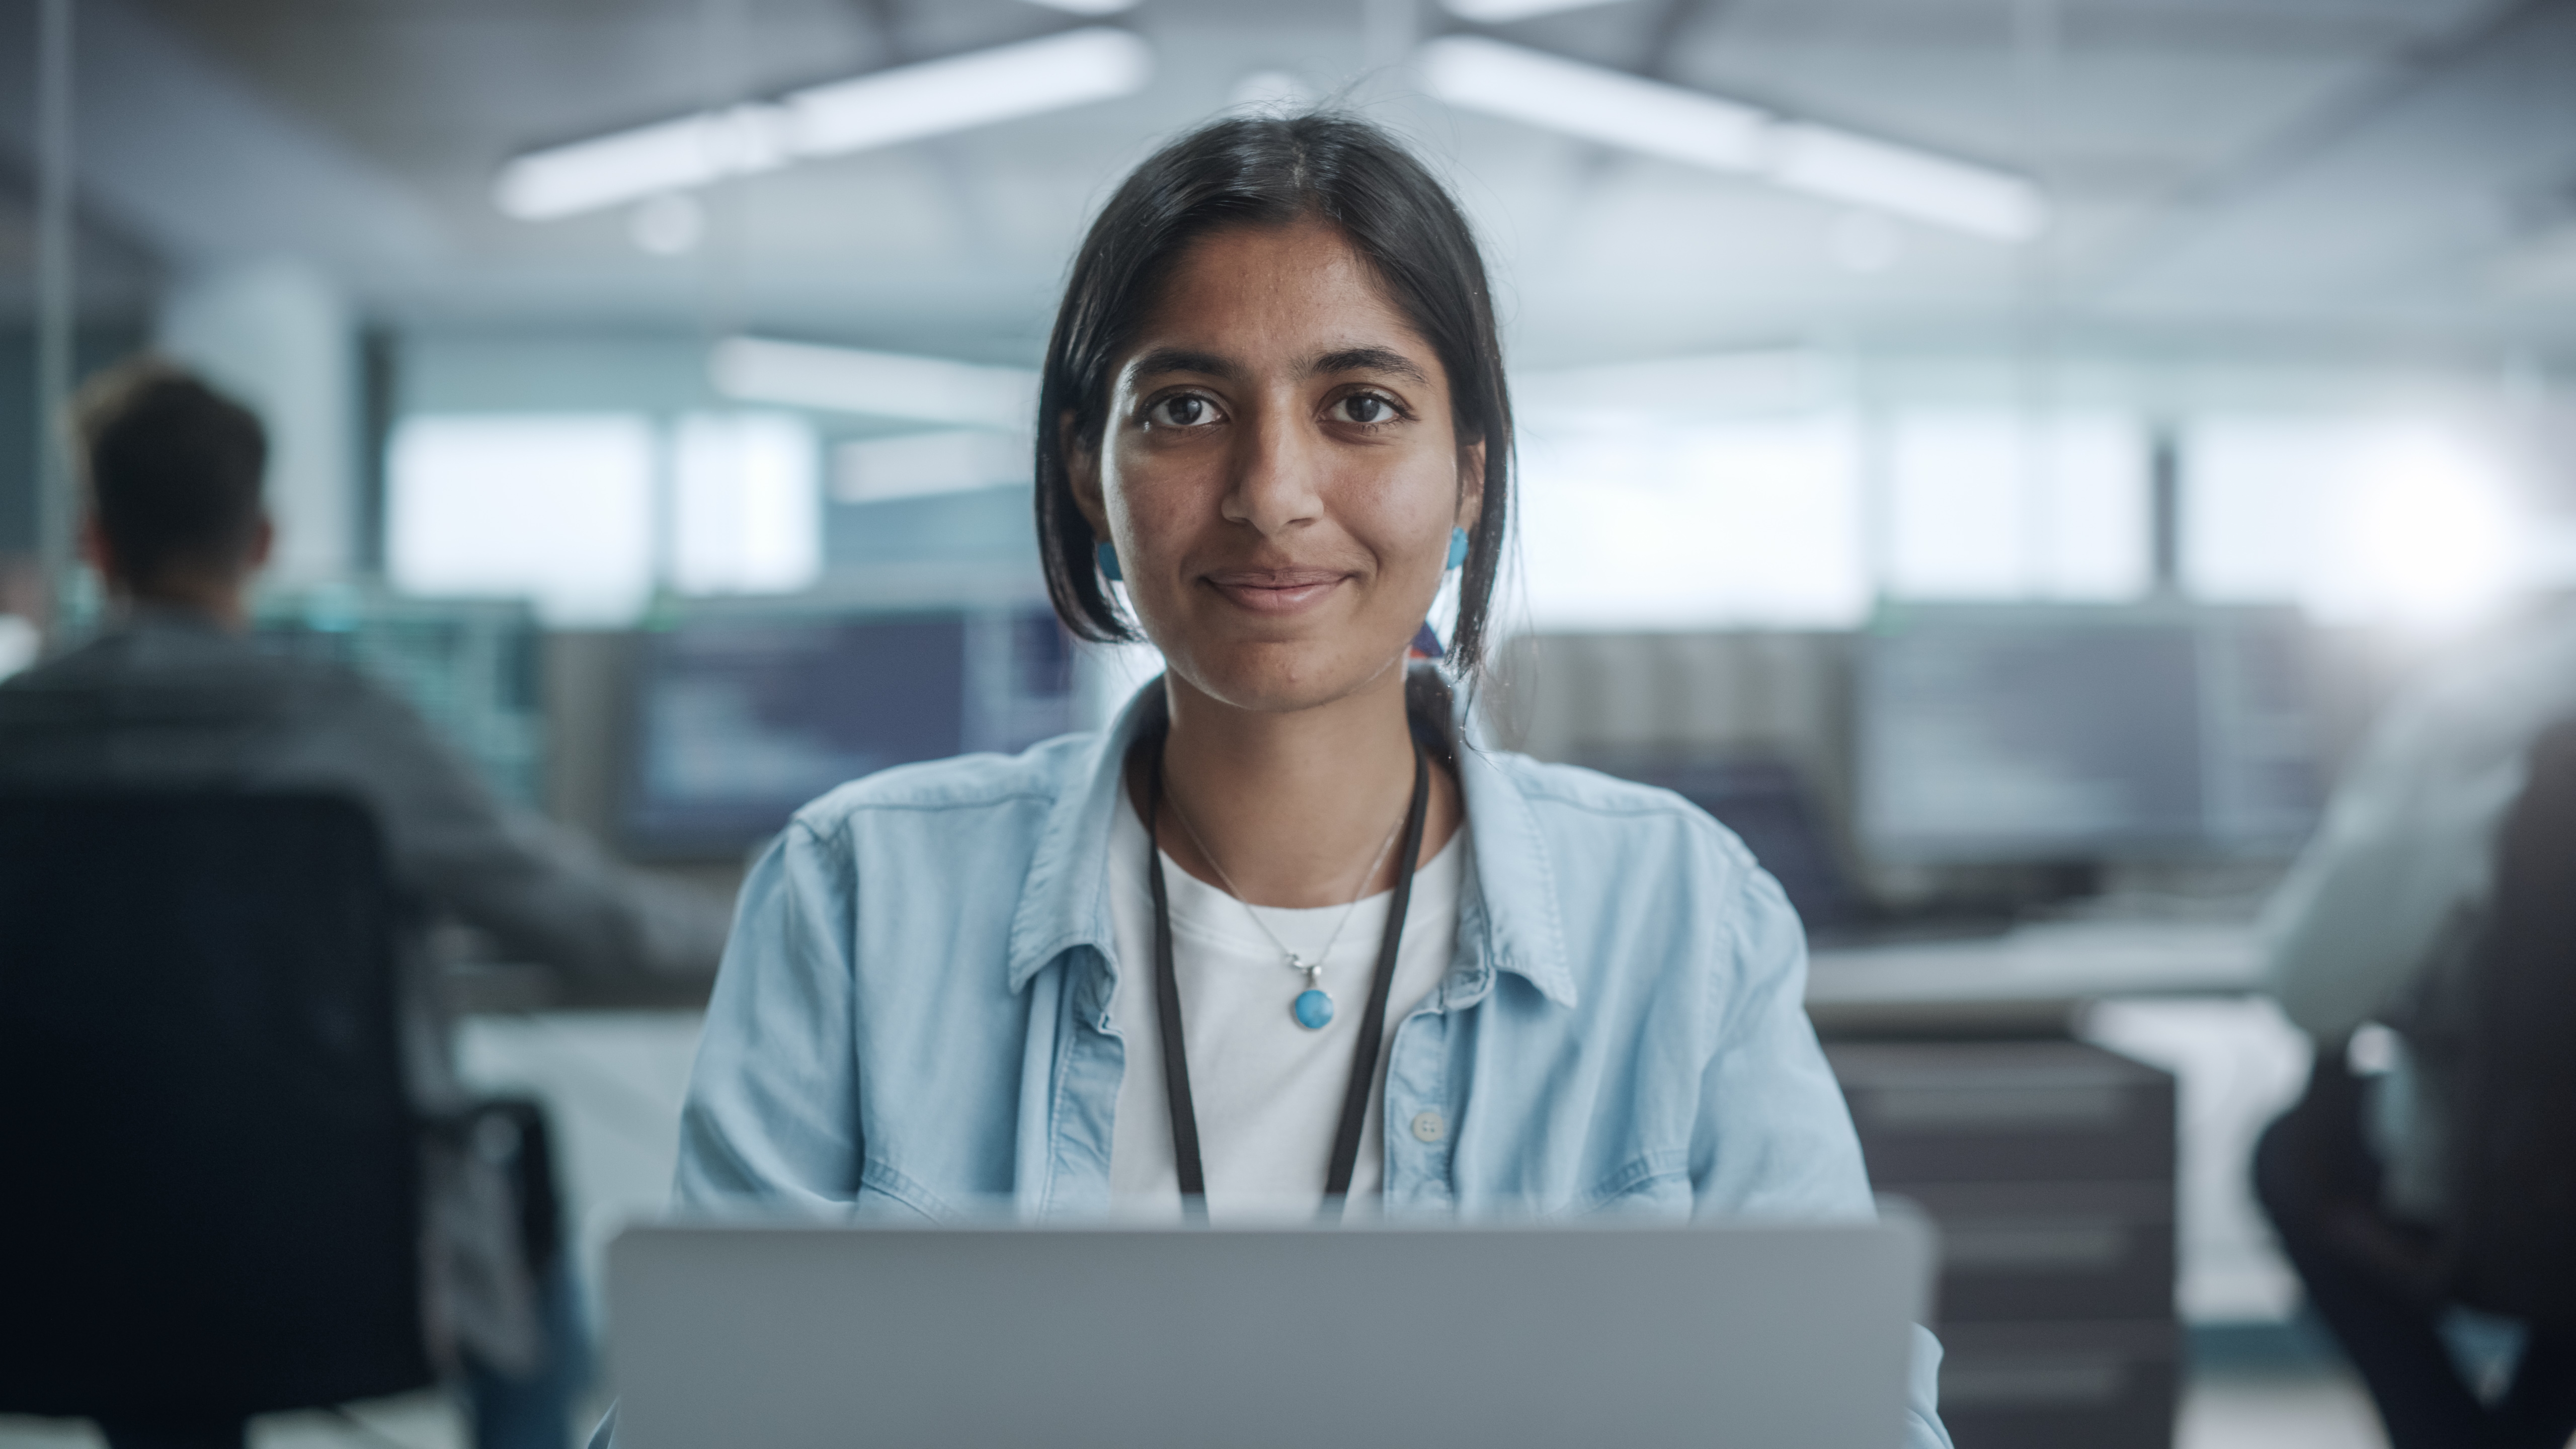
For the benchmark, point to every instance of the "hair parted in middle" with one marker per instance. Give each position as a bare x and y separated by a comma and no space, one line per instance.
1270,171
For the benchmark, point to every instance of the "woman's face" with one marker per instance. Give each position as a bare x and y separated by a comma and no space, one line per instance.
1279,471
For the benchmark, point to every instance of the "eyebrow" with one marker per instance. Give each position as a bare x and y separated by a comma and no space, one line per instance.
1348,359
1181,359
1367,359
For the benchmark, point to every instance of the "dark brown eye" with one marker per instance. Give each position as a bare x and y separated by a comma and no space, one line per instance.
1366,407
1185,411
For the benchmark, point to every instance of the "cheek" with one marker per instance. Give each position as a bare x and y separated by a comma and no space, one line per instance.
1127,480
1152,503
1407,511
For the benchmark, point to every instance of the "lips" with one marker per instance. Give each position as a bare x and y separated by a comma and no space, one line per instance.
1276,591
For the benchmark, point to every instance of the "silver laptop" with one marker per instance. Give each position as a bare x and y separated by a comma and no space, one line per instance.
1761,1336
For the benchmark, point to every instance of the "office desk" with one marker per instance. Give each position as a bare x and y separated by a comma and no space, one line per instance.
2030,981
2052,1166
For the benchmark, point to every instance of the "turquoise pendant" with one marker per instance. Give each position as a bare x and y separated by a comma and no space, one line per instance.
1313,1008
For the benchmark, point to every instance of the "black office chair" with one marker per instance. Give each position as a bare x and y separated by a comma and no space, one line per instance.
209,1170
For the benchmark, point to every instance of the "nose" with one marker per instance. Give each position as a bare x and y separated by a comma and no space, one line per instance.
1276,481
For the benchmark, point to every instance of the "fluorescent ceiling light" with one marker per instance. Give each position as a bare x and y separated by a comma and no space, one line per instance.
1980,200
669,156
1595,103
872,470
940,96
1608,106
877,384
1504,12
885,108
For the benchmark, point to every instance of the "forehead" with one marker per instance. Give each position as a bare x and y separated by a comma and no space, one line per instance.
1245,292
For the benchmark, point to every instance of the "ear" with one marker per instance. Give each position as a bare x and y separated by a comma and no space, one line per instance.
263,541
1471,485
1082,471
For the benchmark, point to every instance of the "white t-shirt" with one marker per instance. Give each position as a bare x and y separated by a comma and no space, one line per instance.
1267,1092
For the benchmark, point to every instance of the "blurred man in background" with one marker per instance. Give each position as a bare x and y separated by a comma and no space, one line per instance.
175,694
2391,917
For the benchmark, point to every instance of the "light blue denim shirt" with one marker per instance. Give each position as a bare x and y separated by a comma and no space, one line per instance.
913,1013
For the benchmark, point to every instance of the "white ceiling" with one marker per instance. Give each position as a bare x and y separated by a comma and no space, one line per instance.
2293,174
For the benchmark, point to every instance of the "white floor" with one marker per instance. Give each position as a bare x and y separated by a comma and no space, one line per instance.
612,1083
2233,1412
2237,1063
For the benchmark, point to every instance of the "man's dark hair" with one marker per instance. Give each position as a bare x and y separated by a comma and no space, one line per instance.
1269,171
174,470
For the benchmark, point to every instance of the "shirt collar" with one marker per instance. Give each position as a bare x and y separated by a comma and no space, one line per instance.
1514,879
1065,902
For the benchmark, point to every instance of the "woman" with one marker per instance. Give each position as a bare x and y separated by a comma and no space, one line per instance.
1395,967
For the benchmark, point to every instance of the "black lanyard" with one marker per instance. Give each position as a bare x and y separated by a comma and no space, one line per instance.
1167,997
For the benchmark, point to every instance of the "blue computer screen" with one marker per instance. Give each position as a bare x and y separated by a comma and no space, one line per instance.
470,667
2021,732
738,721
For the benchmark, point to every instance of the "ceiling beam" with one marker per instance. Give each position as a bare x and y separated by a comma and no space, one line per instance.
2410,76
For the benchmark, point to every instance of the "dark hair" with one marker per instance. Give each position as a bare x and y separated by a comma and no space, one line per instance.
173,467
1272,171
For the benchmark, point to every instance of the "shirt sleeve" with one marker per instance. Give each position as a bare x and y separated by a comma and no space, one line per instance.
1775,1138
771,1118
543,892
2405,845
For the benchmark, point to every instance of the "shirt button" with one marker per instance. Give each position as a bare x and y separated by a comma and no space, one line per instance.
1429,1127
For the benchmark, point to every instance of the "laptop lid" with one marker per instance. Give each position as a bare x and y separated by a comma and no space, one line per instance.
1776,1336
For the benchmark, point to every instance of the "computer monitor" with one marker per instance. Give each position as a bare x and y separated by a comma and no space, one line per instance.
469,666
1769,804
1997,733
740,719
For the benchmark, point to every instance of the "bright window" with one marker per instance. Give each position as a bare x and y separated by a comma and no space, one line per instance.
2357,518
555,508
1999,506
746,508
1639,526
563,508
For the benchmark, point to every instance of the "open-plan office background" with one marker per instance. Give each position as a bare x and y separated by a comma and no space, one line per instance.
1995,453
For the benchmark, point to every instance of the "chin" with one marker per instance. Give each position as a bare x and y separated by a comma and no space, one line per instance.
1282,677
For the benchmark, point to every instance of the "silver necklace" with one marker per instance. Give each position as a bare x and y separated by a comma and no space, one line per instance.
1313,1008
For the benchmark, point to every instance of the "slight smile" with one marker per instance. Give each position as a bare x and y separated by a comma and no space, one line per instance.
1276,591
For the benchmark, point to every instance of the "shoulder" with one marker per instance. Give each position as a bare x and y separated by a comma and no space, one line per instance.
1653,900
953,791
1575,808
208,669
944,851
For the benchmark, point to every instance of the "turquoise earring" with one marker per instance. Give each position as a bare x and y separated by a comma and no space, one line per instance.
1457,547
1107,553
